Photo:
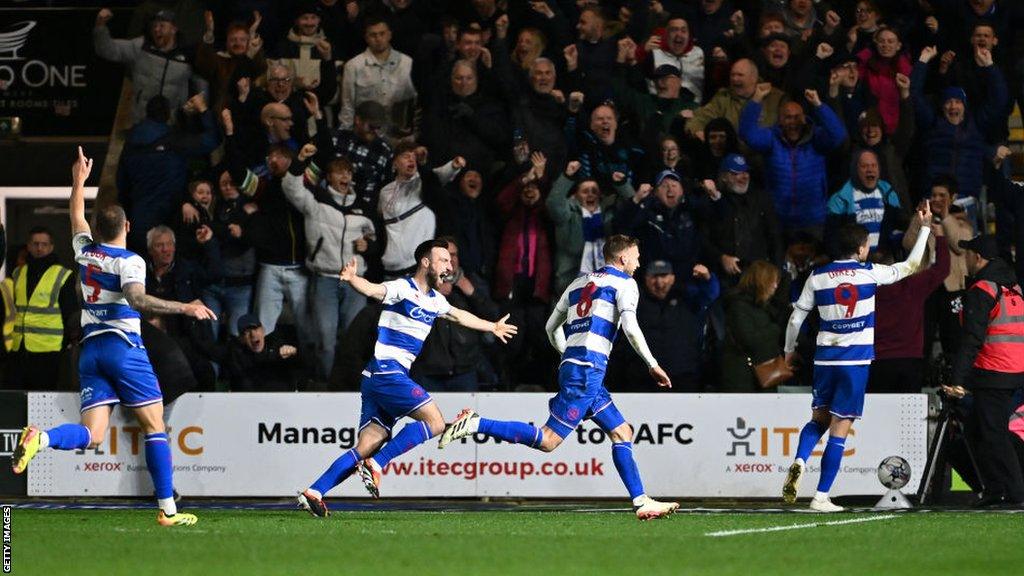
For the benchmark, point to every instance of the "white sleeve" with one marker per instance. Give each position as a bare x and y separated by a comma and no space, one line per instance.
627,298
443,306
132,270
891,274
806,300
631,328
394,291
553,327
79,242
801,308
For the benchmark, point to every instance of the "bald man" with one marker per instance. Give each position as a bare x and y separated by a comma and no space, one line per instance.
727,102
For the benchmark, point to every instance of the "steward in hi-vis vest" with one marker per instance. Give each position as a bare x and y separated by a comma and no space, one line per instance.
40,315
990,365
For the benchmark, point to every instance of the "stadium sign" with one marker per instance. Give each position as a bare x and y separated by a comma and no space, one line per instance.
13,413
50,76
687,445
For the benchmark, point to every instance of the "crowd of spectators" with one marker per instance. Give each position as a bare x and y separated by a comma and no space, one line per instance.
731,137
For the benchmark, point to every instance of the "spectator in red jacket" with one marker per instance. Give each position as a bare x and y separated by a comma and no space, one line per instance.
899,325
522,284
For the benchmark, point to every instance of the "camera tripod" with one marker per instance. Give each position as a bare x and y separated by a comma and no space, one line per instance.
948,446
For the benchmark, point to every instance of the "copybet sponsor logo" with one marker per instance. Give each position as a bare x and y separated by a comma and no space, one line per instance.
770,447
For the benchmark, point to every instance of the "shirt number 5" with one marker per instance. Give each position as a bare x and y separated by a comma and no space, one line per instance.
92,283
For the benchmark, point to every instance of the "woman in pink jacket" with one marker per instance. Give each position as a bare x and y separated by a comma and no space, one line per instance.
878,66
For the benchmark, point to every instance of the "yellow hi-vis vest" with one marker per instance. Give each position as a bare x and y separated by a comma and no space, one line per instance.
38,322
7,292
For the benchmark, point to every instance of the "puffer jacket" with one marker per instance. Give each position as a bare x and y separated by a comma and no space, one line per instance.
332,221
152,71
795,173
958,150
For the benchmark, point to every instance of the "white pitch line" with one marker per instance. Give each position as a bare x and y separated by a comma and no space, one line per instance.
798,526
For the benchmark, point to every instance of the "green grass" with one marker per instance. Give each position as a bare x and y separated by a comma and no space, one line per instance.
227,542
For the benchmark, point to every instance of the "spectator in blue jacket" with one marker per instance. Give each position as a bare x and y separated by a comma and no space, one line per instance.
957,139
795,152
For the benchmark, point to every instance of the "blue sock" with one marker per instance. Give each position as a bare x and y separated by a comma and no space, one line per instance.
622,455
809,437
830,462
158,459
336,474
69,437
514,432
410,437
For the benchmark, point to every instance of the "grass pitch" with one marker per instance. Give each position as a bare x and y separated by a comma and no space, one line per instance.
251,542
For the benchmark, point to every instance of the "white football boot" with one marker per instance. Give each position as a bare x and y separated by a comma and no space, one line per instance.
824,504
649,508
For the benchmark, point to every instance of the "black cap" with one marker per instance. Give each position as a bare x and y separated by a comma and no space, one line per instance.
666,70
164,16
983,245
247,321
308,7
776,36
658,268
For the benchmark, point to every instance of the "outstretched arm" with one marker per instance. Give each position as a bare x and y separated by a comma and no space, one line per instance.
79,174
137,298
631,328
362,285
500,329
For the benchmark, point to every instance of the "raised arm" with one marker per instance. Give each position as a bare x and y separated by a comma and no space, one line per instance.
135,293
350,274
914,262
79,174
500,329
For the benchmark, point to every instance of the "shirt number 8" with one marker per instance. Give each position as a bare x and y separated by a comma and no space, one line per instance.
586,300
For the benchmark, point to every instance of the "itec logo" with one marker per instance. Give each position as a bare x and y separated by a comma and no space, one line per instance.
765,441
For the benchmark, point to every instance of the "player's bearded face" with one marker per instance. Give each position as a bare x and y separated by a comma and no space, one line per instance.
440,266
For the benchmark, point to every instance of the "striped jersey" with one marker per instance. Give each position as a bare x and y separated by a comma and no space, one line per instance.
404,323
593,304
844,293
103,270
